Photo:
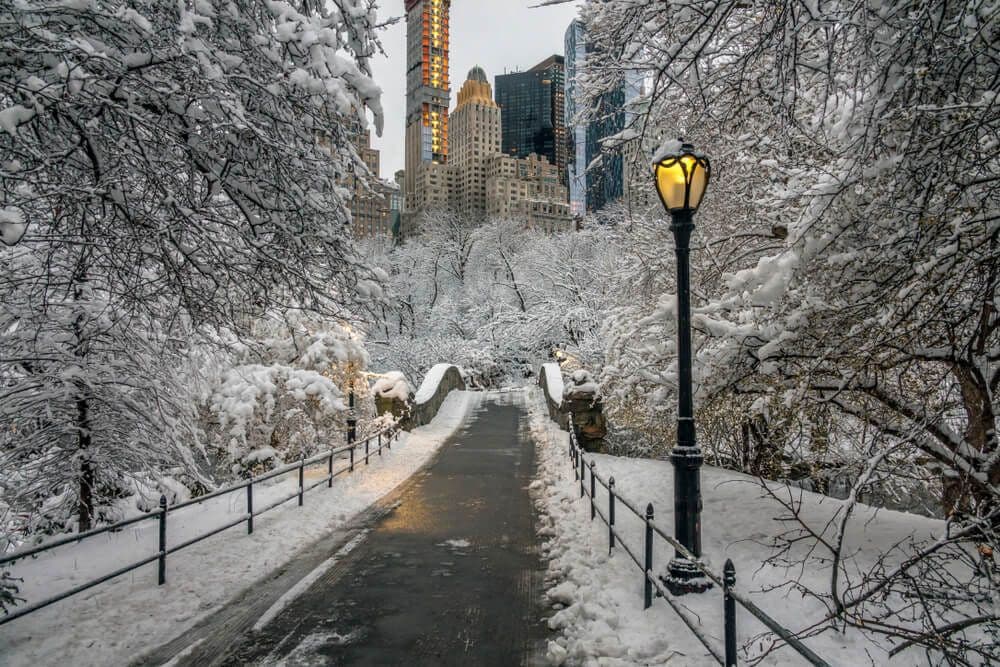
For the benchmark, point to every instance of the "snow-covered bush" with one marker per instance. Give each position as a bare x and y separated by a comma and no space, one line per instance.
293,402
393,385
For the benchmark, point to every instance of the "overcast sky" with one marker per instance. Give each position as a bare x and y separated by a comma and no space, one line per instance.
495,34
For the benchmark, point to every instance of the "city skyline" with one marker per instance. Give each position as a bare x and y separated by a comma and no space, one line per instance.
476,39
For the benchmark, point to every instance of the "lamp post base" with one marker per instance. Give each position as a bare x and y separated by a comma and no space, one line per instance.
684,577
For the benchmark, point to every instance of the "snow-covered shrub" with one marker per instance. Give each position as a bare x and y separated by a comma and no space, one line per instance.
292,402
393,385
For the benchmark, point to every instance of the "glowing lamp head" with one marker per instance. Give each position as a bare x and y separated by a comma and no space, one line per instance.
681,176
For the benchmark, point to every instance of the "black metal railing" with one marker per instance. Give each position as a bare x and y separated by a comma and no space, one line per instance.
726,583
381,439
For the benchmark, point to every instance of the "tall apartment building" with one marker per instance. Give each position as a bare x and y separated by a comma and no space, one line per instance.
479,180
475,129
370,203
533,107
592,186
428,93
529,189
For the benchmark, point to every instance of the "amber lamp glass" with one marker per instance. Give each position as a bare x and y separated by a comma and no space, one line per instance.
681,178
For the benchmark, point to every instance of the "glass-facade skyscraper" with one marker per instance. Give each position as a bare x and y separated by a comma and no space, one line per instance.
592,185
428,92
532,104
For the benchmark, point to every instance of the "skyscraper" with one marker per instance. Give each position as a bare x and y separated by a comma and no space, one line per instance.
592,184
476,137
479,181
533,103
427,86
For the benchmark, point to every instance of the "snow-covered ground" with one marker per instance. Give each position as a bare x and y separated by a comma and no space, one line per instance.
118,620
597,598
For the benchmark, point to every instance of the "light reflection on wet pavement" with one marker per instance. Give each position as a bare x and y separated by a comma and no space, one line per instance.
449,577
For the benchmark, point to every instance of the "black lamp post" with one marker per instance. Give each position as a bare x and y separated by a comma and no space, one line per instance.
352,421
681,179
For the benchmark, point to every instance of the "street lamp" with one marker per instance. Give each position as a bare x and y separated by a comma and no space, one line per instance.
681,179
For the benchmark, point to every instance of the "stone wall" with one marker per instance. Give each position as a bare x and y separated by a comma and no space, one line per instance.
422,413
554,403
580,398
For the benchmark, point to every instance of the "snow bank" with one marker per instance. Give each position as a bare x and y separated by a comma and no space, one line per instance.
114,623
554,382
430,384
597,599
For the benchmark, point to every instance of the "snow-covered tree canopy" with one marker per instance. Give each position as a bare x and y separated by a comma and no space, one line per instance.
175,166
878,164
190,147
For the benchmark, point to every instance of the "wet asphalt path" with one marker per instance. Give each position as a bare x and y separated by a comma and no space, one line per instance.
449,577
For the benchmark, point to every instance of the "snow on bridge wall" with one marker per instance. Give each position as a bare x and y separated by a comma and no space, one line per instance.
438,383
551,381
581,398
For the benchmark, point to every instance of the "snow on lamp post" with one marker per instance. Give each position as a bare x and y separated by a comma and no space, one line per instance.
681,179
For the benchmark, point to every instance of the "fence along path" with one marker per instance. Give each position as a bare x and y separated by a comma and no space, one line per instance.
351,453
728,655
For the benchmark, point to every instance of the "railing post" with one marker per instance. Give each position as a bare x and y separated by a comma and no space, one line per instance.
593,507
583,475
250,507
302,480
366,451
729,609
329,471
576,463
161,575
380,444
352,460
611,514
647,574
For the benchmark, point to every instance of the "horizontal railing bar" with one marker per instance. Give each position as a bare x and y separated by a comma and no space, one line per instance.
78,589
390,432
288,467
31,551
209,496
786,635
794,642
624,545
323,480
601,481
668,598
277,472
624,501
601,514
214,531
270,507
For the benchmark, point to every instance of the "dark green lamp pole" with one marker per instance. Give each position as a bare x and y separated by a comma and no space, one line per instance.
682,176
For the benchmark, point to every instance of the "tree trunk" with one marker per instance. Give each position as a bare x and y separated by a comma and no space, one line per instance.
87,473
964,496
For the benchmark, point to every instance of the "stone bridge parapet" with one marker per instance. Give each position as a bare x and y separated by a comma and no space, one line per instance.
580,397
393,394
